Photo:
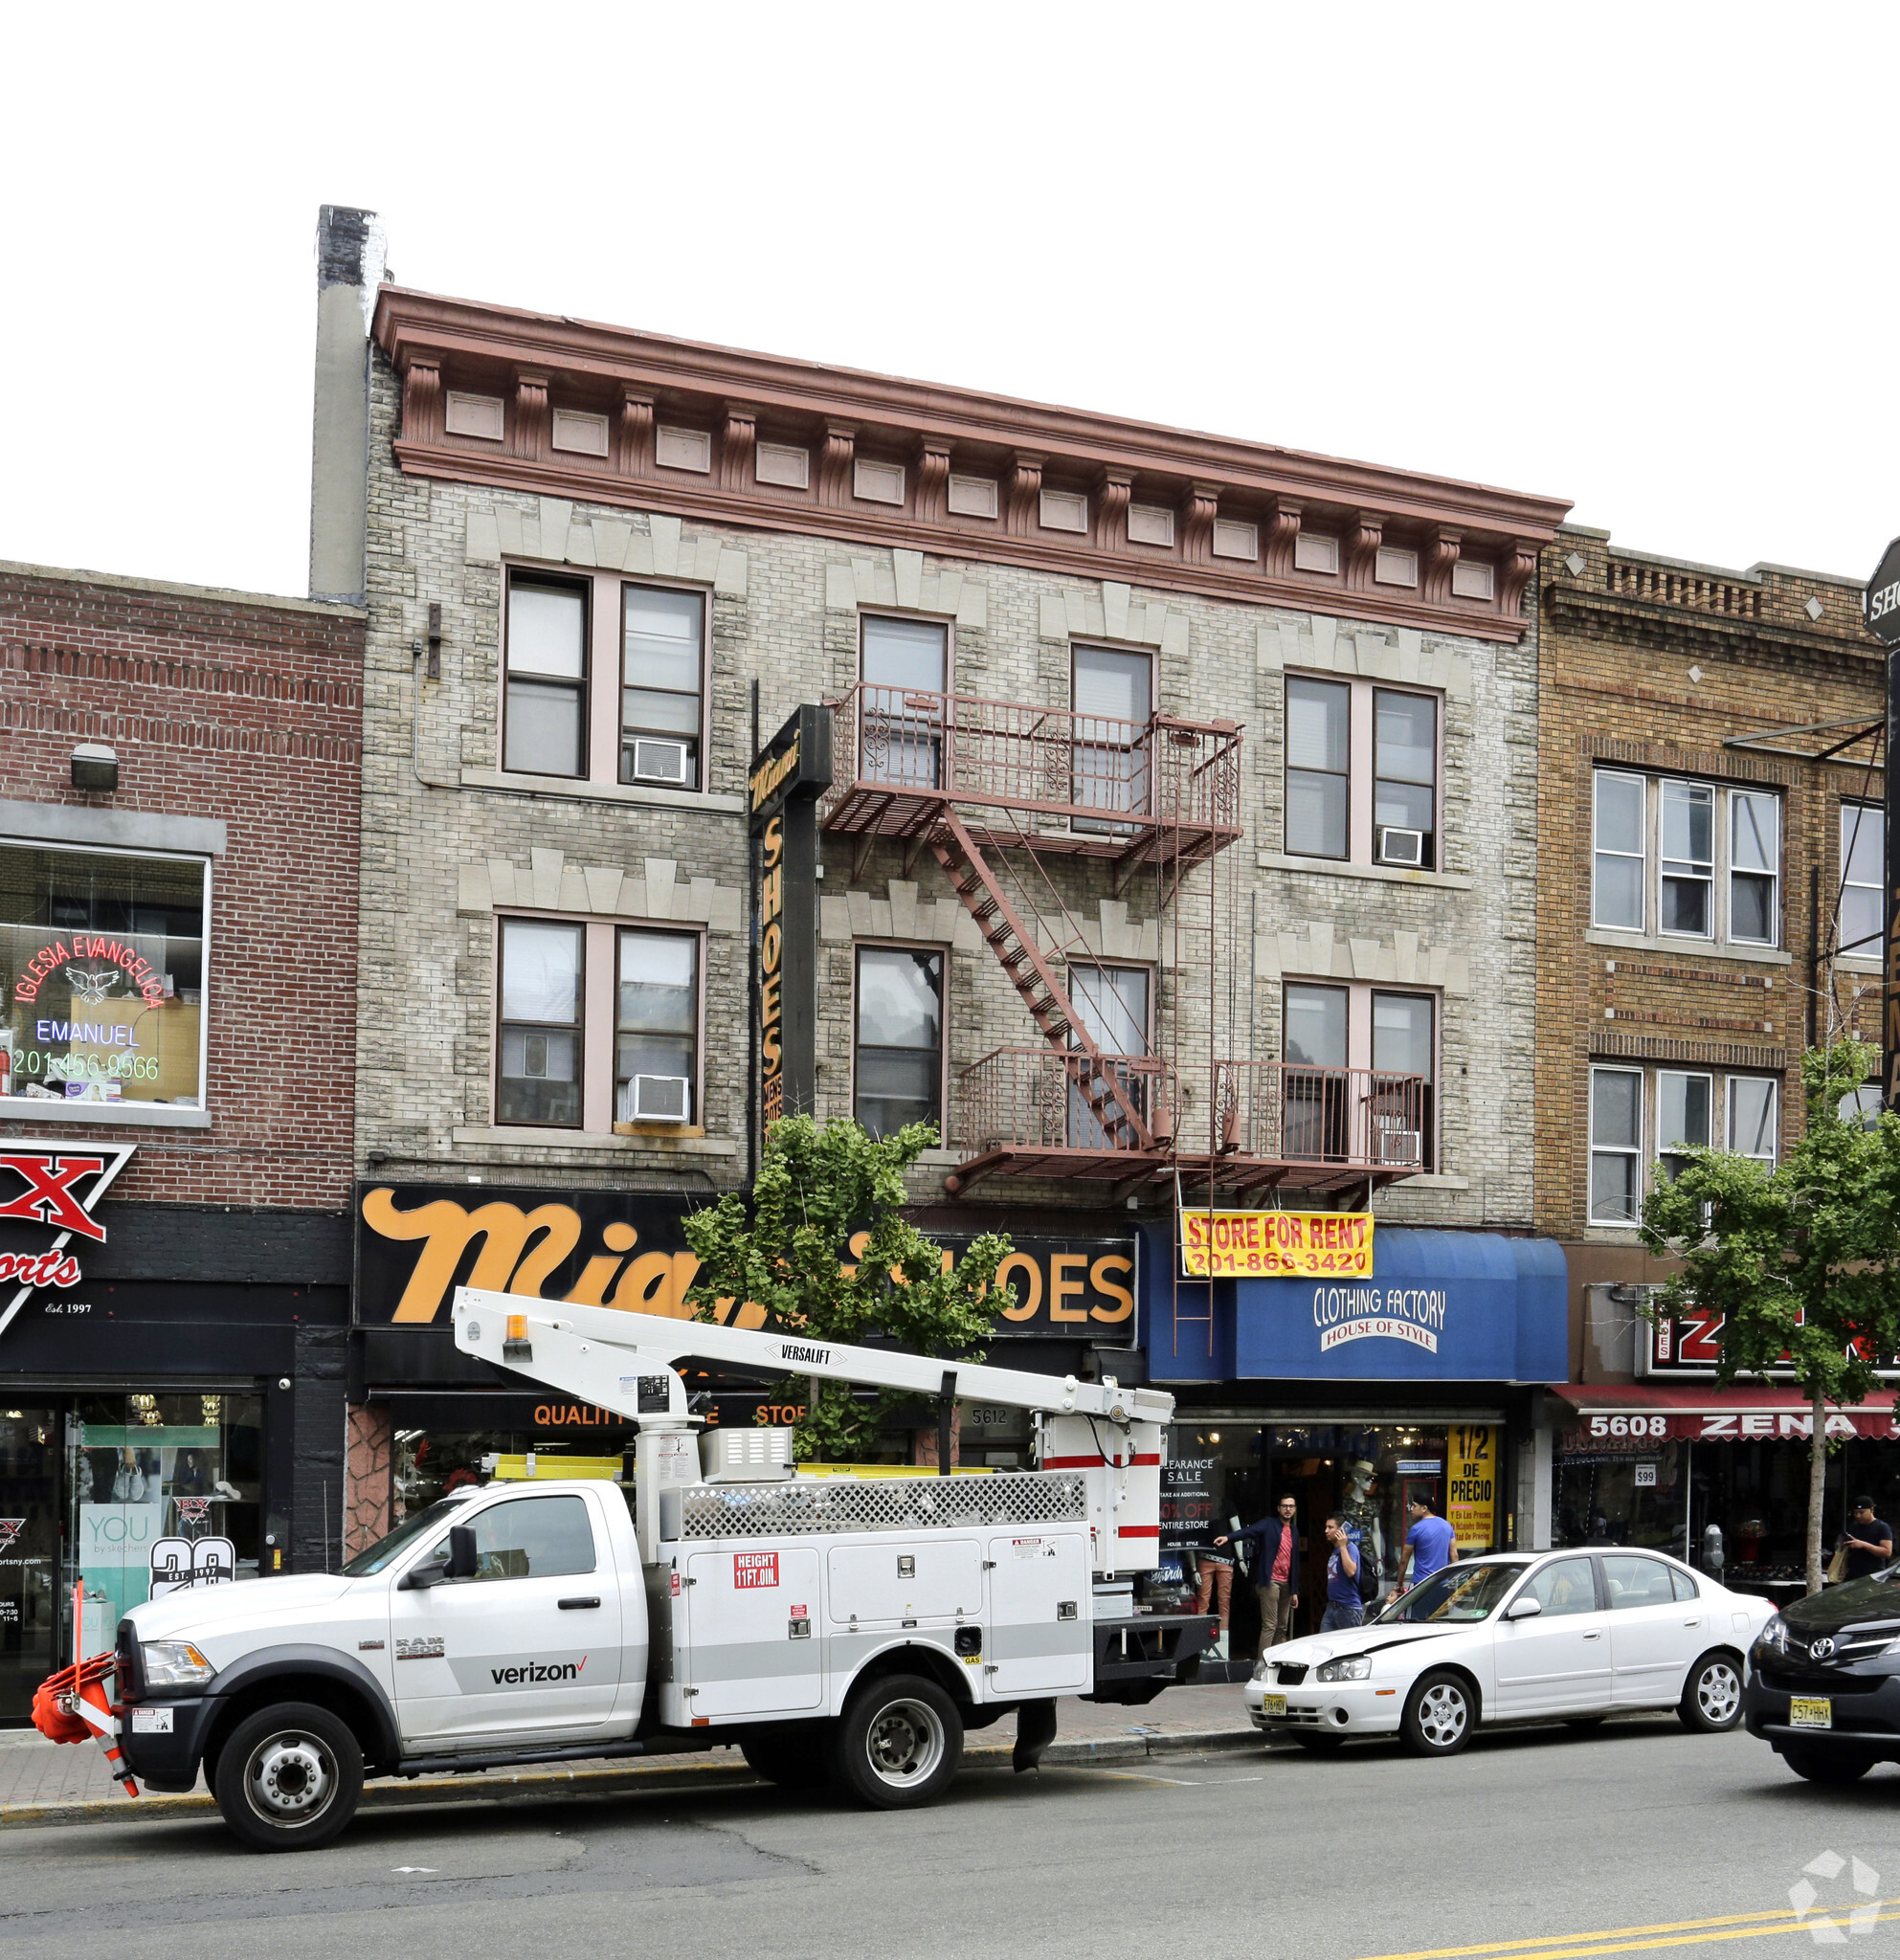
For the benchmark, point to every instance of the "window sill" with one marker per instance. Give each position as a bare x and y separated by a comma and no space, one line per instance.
676,1132
1855,963
526,1136
1380,873
134,1115
604,793
1686,948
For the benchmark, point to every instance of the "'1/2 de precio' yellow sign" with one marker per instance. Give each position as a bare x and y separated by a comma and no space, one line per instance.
1275,1245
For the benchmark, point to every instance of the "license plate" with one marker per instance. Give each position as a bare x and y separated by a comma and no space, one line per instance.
1805,1712
1273,1704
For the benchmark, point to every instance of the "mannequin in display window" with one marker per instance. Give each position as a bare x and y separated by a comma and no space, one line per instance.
1361,1509
1215,1586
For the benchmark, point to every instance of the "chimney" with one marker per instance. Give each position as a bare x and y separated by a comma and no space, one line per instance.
350,266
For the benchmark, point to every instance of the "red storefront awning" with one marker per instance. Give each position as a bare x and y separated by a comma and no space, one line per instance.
1618,1417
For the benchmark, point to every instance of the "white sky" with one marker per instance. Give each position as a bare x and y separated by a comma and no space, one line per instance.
1638,256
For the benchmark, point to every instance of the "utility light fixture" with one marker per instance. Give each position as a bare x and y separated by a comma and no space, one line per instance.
95,767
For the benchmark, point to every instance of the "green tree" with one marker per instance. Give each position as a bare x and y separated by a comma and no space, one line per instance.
791,1252
1803,1263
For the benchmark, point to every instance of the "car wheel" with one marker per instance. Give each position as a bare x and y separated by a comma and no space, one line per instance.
1816,1766
1713,1695
1440,1714
288,1778
794,1755
899,1743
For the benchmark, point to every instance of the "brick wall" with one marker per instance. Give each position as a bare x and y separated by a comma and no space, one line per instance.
1652,666
247,709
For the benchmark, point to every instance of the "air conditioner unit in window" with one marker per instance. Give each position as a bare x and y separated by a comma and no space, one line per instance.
1401,1146
662,762
1398,846
656,1099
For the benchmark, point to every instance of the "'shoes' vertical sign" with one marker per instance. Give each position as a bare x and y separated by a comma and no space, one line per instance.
788,776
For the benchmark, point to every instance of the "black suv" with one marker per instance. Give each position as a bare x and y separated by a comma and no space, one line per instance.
1823,1688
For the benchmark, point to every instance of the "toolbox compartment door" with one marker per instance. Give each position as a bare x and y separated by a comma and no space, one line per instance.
889,1584
1041,1621
748,1638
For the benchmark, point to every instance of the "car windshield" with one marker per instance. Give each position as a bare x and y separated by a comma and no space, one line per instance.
1470,1589
379,1555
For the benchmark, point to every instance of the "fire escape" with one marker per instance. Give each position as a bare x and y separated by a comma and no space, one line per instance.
995,792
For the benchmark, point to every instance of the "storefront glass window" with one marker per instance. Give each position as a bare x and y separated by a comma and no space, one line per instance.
102,964
163,1490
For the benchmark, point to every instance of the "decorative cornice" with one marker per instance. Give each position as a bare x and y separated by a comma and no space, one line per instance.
528,433
1515,567
1441,546
1199,508
636,376
736,442
422,399
1649,623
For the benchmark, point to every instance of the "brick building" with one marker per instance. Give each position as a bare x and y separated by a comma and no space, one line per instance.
1710,903
178,871
1181,819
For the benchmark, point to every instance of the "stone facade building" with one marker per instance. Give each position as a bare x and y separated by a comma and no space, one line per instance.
1242,748
178,872
1709,905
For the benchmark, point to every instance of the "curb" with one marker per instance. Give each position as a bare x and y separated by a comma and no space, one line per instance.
572,1785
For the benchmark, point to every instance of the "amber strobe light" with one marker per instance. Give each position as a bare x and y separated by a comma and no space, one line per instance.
515,1343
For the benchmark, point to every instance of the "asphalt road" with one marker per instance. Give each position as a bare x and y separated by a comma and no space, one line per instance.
1633,1838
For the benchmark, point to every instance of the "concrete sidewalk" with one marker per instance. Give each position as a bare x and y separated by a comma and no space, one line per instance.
45,1783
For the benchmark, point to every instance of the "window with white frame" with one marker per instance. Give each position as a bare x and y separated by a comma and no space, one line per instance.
1676,859
900,1031
598,1026
1644,1120
103,975
657,1019
1861,926
1362,770
644,723
904,667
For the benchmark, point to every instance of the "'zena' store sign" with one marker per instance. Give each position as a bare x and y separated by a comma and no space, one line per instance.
49,1203
416,1244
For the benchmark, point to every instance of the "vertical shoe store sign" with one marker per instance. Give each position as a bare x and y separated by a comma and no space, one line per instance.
49,1201
788,776
1881,604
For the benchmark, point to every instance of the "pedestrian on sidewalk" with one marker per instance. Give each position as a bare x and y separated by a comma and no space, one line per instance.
1344,1608
1214,1585
1274,1561
1867,1540
1430,1545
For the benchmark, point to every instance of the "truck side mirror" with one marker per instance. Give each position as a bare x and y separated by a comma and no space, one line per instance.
462,1563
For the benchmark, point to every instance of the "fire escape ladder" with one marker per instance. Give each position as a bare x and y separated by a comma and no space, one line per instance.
1017,949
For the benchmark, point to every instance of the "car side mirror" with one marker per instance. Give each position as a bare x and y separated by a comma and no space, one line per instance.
462,1563
1527,1608
432,1572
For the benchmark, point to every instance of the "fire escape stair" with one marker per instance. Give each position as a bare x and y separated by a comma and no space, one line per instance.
1097,1082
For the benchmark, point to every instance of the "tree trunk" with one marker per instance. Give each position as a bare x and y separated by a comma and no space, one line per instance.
1816,1490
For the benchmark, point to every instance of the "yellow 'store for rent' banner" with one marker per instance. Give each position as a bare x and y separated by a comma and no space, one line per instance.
1275,1245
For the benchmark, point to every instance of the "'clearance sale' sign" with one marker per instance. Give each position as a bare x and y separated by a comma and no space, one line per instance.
1275,1245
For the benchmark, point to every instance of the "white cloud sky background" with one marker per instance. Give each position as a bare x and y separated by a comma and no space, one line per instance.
1636,256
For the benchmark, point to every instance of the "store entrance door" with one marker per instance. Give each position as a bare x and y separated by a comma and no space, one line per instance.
30,1452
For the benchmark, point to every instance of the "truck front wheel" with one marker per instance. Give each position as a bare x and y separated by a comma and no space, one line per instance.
899,1743
288,1778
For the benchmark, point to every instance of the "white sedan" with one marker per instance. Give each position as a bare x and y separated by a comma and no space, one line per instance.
1565,1635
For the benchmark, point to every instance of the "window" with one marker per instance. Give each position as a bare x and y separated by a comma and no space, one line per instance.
1357,1081
543,719
1318,766
540,1074
1688,860
656,1042
1620,827
1615,1146
1563,1587
664,656
532,1538
1684,1106
900,1037
103,967
1113,704
1112,1002
1861,930
1405,758
903,662
1337,805
1754,1129
1634,1582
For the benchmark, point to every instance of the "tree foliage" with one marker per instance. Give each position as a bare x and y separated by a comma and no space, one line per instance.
791,1252
1802,1262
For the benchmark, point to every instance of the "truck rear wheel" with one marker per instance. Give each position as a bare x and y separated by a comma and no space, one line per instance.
899,1743
796,1755
288,1778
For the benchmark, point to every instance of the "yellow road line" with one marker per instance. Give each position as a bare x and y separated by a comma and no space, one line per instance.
1626,1939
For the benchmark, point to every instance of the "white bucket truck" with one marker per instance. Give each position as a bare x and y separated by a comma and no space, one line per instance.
839,1628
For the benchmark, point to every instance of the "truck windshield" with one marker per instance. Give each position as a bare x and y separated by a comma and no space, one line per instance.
1470,1589
433,1519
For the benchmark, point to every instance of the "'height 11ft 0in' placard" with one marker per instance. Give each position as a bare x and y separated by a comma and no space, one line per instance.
1275,1245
